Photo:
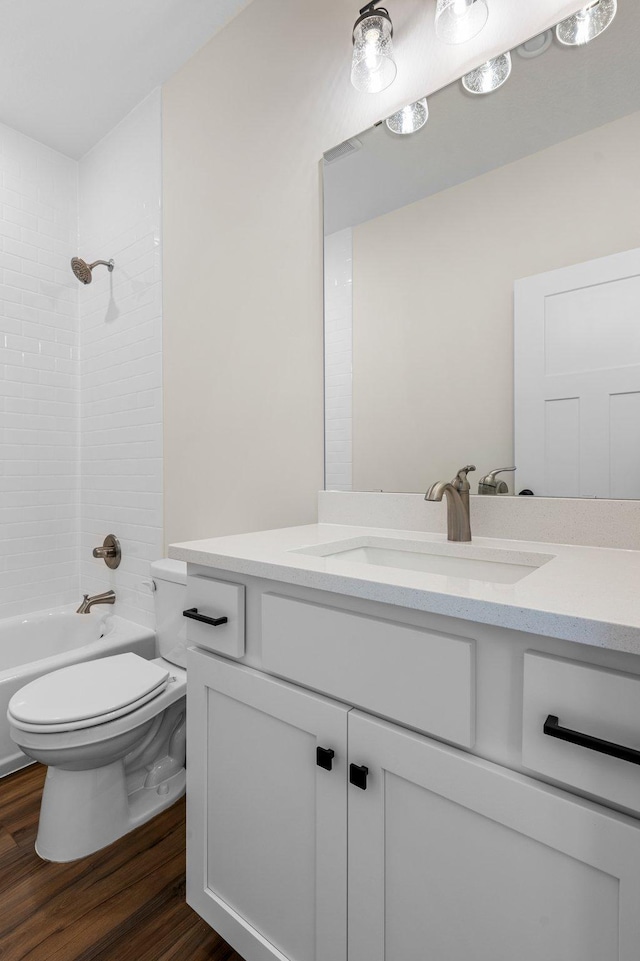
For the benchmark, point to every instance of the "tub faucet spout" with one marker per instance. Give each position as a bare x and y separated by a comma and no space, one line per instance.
108,597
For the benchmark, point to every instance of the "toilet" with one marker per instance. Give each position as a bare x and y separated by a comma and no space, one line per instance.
112,733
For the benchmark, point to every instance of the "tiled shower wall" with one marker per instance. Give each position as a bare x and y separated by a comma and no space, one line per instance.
80,439
39,500
121,358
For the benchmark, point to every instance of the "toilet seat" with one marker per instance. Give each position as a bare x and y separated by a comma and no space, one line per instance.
87,694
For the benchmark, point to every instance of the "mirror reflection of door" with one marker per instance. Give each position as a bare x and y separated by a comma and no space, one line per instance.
577,379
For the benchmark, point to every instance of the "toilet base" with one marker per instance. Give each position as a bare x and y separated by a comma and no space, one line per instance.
84,811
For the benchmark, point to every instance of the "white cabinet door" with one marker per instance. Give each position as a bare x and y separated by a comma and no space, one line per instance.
577,379
266,826
455,859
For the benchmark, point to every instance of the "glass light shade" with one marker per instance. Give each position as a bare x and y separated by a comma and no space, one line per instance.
373,68
489,76
587,23
410,118
460,20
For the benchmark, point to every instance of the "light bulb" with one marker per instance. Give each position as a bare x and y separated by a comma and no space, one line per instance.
587,24
373,68
488,76
410,118
460,20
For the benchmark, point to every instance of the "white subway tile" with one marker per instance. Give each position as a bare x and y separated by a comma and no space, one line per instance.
52,501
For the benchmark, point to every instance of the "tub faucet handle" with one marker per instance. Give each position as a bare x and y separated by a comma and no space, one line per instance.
109,552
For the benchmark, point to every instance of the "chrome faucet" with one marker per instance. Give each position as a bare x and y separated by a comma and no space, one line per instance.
457,494
108,597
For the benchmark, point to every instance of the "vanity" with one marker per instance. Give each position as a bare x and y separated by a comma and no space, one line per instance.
402,748
382,754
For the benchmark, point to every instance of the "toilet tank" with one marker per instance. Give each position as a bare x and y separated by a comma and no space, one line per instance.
170,588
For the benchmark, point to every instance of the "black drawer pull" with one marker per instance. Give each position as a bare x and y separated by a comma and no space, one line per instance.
324,757
553,729
358,775
214,621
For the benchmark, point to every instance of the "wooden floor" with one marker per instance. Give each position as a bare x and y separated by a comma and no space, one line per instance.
125,903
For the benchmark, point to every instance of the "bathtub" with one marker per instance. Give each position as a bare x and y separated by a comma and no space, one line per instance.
40,643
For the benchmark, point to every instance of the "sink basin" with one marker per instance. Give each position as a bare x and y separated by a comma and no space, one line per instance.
489,564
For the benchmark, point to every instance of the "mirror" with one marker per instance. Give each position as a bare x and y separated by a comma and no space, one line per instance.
482,283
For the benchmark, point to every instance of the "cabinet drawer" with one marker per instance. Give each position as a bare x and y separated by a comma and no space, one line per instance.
418,677
212,599
586,700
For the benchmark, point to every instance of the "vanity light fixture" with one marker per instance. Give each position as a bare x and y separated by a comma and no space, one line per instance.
373,68
410,118
586,24
488,76
460,20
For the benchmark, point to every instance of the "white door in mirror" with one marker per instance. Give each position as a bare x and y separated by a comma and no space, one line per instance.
577,379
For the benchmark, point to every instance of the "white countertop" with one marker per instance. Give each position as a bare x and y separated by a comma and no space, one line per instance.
585,594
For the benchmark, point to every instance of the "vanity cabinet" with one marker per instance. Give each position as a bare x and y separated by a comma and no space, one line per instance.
449,856
367,783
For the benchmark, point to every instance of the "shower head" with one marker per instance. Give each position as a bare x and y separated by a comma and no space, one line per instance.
82,270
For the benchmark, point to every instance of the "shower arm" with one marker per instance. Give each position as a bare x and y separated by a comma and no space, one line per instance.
103,263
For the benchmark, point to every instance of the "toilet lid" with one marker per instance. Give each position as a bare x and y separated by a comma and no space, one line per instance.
91,692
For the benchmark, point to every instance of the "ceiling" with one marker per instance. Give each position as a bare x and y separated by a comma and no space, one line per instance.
560,94
72,69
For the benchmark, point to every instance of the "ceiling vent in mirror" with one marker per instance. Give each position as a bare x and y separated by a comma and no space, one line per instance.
460,20
536,45
343,150
587,24
410,118
373,68
488,76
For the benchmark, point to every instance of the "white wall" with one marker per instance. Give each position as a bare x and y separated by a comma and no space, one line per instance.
246,121
433,389
121,361
338,358
38,377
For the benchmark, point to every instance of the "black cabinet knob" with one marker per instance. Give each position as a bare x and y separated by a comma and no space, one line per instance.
324,757
358,775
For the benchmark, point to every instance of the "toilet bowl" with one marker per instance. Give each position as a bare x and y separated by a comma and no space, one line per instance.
112,733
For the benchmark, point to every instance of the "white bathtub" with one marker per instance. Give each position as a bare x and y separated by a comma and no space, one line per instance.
40,643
